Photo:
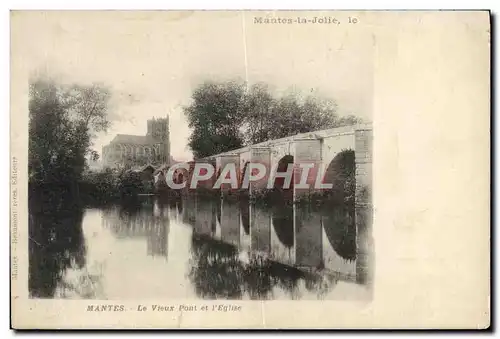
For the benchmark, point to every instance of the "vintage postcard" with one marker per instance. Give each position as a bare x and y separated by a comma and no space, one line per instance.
250,169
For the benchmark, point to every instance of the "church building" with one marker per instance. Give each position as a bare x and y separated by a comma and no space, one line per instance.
127,150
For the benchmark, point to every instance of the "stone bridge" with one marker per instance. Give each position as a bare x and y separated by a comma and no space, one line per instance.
324,148
321,148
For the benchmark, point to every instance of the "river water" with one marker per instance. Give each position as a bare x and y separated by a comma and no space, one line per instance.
196,249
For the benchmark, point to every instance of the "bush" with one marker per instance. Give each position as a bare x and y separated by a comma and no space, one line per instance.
109,185
129,184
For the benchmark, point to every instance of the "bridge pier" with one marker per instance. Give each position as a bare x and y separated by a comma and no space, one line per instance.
363,205
221,162
230,223
308,238
307,152
260,230
317,149
260,155
207,184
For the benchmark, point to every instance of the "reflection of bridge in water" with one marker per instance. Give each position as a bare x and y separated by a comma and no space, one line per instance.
232,249
334,240
292,235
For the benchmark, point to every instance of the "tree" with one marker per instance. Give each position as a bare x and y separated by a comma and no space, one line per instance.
258,106
224,116
94,156
215,116
54,156
88,104
273,118
61,120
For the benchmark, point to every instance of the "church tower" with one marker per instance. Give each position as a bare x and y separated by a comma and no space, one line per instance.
158,130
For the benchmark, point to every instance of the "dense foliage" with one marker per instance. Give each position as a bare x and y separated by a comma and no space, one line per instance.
225,116
215,117
109,185
62,122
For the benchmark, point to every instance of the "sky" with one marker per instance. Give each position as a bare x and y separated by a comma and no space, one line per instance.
152,61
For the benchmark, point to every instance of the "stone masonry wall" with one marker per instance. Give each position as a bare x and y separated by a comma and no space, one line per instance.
309,152
364,210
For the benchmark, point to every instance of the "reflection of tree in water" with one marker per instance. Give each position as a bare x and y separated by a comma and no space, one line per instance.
175,203
218,273
261,276
172,202
133,218
56,241
123,218
340,230
257,278
189,211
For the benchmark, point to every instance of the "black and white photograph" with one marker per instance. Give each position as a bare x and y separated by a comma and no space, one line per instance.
233,168
234,121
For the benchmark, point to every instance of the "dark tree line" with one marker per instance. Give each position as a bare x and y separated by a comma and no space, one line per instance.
226,116
62,120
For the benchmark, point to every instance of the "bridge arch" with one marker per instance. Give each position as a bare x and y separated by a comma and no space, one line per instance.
341,173
179,176
283,164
